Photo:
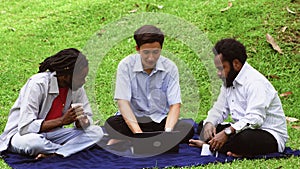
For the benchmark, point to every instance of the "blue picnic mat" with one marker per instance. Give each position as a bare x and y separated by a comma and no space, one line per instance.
120,156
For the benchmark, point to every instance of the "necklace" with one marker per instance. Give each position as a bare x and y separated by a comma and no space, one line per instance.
63,96
61,101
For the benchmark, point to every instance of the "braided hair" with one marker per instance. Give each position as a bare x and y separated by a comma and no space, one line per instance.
64,62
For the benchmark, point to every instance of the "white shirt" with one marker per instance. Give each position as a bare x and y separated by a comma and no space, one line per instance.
33,104
253,103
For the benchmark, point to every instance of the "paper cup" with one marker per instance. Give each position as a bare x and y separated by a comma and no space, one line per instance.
78,109
73,105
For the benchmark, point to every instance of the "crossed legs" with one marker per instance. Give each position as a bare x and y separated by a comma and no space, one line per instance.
63,142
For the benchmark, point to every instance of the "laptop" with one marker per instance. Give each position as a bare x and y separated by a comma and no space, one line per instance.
156,142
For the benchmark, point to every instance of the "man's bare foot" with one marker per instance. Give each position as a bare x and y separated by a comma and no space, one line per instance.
41,156
113,141
233,155
196,143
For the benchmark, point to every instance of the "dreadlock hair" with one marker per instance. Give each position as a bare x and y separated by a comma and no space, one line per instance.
64,62
231,49
148,34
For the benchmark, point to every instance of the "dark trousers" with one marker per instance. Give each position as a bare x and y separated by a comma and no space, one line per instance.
249,142
117,128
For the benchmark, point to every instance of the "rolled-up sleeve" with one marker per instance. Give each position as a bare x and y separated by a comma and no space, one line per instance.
173,91
123,84
257,103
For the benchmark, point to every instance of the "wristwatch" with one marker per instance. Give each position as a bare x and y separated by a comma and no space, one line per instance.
228,131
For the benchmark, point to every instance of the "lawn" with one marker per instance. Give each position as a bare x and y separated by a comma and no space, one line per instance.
33,30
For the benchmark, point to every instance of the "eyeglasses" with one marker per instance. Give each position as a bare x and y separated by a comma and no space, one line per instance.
154,51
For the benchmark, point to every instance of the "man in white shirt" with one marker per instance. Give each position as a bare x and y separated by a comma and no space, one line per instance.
259,124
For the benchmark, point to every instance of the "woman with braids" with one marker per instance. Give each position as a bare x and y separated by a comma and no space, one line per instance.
36,121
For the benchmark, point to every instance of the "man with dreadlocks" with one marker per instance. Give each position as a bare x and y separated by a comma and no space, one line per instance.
36,121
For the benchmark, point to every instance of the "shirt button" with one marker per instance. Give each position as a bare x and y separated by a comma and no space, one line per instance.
232,100
233,87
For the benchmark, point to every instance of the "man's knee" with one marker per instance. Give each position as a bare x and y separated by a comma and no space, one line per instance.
30,144
186,129
116,126
95,132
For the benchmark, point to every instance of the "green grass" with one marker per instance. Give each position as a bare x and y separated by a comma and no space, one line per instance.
32,30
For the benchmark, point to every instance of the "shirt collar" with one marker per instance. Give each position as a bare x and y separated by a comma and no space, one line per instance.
241,77
53,84
138,67
159,65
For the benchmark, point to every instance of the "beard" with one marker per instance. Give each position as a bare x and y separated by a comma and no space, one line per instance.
230,77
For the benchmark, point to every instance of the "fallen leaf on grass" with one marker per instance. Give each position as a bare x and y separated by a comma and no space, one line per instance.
160,6
229,6
271,40
285,94
253,50
273,77
12,29
283,29
290,11
133,11
97,122
153,6
296,127
291,119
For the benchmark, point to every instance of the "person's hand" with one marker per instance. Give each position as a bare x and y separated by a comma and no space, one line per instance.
196,143
218,141
82,121
209,131
69,117
79,111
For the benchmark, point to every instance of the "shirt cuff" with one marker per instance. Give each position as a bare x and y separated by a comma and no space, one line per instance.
35,126
239,126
